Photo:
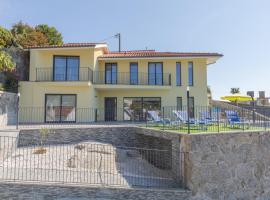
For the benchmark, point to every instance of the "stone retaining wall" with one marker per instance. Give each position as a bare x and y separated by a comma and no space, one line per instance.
34,192
228,165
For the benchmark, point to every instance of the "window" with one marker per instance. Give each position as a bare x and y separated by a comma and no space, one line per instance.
135,107
191,107
179,103
190,73
134,73
155,74
60,108
66,68
178,74
110,73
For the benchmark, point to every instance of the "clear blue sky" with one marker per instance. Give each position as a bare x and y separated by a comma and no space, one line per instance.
239,29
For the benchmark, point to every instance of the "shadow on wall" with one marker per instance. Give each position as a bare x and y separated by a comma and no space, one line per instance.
7,108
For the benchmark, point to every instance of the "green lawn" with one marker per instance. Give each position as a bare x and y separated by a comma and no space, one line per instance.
206,128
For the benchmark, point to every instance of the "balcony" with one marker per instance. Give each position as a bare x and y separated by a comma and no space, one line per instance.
48,74
127,78
103,78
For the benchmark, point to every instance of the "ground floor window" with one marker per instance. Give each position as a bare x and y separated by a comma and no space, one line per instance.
60,108
179,103
135,107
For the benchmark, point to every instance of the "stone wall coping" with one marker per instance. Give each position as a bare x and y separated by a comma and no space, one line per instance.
72,185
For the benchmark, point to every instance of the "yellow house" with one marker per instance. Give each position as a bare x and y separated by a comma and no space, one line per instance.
84,82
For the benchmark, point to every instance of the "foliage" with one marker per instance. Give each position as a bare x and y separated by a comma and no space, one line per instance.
235,90
6,62
53,36
6,38
20,29
26,35
33,38
43,135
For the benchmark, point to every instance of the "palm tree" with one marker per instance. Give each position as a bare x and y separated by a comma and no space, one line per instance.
235,90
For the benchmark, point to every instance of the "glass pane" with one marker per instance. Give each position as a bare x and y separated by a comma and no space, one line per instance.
68,108
154,106
159,74
59,68
190,73
114,74
53,108
73,69
179,103
152,74
133,109
133,73
108,73
178,74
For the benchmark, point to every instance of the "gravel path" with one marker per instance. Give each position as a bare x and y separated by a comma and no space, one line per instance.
84,163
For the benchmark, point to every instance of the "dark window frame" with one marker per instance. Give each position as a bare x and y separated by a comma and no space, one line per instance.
130,79
192,74
162,81
60,121
116,78
178,76
66,56
115,116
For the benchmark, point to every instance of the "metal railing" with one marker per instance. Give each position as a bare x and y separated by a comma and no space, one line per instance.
87,162
201,118
100,77
48,74
127,78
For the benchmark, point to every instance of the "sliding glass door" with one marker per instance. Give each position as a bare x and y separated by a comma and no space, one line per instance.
60,108
155,74
135,107
66,68
110,73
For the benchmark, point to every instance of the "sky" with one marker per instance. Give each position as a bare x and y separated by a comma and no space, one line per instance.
239,29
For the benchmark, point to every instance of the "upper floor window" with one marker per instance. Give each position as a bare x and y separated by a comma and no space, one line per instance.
178,74
66,68
134,73
190,74
110,73
155,73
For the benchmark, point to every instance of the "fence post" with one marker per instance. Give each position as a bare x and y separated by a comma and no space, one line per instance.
163,118
218,118
188,113
17,111
146,114
243,116
95,114
264,116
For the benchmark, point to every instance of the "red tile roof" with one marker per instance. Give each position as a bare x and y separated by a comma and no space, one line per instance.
153,53
87,44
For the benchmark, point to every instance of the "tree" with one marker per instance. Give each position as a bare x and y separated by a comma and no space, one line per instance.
33,38
6,62
53,36
235,90
21,28
25,35
6,38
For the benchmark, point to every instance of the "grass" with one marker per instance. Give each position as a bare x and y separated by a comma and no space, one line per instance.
214,128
